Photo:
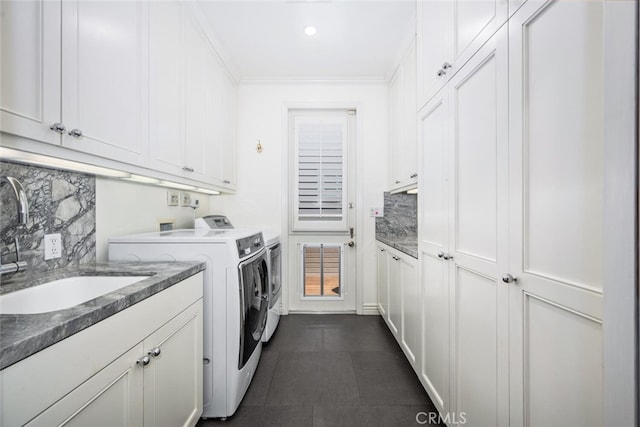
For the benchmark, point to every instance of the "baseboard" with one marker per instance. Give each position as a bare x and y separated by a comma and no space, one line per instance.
370,310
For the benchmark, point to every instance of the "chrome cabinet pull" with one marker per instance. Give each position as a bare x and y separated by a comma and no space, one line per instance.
440,254
187,169
444,256
76,133
446,66
508,278
155,352
58,127
441,73
144,361
226,181
414,175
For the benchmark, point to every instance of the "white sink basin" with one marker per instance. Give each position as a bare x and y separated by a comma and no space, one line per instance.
63,293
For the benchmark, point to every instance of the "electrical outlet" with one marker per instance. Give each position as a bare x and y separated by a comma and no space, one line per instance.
376,212
173,198
186,199
52,246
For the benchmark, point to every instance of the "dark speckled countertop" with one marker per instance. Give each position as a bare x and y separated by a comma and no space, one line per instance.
405,244
22,335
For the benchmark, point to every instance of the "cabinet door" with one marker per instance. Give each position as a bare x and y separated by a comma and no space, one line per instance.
167,85
112,397
105,78
395,295
228,134
556,199
30,69
411,313
409,167
396,130
475,22
202,150
433,205
434,46
383,282
173,378
478,227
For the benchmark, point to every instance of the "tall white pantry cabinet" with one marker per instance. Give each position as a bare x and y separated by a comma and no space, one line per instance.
511,125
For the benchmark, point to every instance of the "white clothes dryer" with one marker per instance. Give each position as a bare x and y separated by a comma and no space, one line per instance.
274,259
235,302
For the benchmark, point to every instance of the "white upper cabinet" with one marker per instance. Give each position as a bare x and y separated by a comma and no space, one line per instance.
135,86
166,90
228,141
105,79
449,33
403,122
30,69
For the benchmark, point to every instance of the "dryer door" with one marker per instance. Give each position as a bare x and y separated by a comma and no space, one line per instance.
254,281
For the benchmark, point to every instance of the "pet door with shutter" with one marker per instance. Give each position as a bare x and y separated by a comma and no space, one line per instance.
322,271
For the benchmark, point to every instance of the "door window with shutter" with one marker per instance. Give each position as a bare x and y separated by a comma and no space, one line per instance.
320,197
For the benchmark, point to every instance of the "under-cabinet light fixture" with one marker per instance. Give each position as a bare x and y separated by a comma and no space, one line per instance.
412,191
11,155
54,162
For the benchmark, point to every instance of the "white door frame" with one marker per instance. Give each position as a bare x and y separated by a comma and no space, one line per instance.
359,196
620,263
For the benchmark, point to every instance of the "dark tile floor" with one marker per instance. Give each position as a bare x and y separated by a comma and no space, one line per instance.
331,370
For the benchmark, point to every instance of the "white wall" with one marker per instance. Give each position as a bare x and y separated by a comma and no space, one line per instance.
124,207
259,198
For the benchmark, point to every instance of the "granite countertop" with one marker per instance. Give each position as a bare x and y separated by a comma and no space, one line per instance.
22,335
405,244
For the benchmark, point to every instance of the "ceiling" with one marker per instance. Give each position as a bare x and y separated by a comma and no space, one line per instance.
265,40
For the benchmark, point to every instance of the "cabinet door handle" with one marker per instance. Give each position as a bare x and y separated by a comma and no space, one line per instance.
440,254
187,169
414,175
396,258
381,250
58,127
441,72
226,181
446,66
155,352
76,133
143,361
397,181
508,278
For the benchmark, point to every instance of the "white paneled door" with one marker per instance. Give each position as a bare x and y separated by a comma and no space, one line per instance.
556,198
478,227
433,242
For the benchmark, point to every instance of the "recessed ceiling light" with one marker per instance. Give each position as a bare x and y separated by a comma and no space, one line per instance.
310,30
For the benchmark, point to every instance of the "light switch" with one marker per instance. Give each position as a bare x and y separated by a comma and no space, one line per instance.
376,212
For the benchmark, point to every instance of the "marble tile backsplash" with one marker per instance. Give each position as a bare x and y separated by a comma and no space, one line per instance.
59,202
400,215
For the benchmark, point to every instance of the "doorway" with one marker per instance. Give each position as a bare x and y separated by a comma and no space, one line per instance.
322,220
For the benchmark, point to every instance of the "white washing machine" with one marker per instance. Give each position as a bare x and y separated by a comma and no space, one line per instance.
274,259
235,300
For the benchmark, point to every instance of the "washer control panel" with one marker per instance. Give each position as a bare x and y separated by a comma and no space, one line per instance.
249,245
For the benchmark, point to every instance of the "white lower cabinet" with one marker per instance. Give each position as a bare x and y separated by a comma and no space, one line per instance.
139,367
398,298
383,281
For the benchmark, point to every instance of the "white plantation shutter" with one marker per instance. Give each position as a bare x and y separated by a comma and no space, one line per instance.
320,165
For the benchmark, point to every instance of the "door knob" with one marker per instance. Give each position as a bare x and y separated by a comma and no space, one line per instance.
351,244
508,278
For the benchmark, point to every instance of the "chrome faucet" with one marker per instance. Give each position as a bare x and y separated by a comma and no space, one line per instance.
23,218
